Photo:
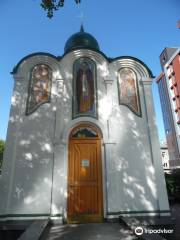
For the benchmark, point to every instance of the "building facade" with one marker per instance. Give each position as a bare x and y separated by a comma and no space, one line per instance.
82,143
169,89
165,156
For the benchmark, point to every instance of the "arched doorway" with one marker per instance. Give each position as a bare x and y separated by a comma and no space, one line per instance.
85,194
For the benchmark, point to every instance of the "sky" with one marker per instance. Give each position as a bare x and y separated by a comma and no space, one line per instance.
138,28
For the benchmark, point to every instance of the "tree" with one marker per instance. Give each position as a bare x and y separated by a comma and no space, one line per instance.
2,147
53,5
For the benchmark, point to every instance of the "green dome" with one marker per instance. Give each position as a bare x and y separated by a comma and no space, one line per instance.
81,40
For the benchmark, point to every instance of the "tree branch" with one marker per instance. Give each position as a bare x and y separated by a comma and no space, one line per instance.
53,5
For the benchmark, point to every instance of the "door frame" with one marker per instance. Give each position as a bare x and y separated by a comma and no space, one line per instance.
99,137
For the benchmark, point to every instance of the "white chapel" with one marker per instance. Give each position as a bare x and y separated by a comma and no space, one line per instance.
82,142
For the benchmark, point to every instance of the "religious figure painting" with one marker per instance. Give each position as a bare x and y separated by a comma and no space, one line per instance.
40,87
84,132
84,88
128,90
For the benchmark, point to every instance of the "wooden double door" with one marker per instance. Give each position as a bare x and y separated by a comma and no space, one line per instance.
85,201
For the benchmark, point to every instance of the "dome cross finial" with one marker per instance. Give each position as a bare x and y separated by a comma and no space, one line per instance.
82,28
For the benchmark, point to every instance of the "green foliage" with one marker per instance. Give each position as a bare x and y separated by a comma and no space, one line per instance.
53,5
173,185
2,146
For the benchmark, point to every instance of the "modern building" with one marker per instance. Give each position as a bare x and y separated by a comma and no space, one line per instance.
169,90
82,143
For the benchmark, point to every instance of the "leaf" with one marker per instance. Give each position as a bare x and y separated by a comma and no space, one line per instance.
53,5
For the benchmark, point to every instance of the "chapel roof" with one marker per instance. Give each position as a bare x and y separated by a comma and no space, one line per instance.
81,39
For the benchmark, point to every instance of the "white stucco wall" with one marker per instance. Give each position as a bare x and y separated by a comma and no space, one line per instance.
34,175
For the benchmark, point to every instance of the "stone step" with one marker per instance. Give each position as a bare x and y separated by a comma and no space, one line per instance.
35,230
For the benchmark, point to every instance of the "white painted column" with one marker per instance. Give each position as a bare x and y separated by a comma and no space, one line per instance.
58,191
107,145
8,168
162,198
108,85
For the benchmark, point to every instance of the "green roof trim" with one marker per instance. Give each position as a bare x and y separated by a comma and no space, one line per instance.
116,58
58,58
135,59
15,69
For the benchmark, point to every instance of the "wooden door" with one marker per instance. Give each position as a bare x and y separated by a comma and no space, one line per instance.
85,180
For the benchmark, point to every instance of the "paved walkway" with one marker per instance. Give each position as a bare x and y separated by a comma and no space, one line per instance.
102,231
90,231
175,211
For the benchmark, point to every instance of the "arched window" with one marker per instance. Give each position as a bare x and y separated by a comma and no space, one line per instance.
84,88
128,90
39,88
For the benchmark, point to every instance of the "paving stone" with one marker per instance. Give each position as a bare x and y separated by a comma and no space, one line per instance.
90,231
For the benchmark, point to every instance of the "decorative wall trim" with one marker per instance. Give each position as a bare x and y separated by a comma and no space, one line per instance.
58,58
31,215
135,212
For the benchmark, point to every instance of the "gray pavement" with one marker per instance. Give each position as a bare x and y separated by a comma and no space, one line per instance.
175,212
104,231
90,231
